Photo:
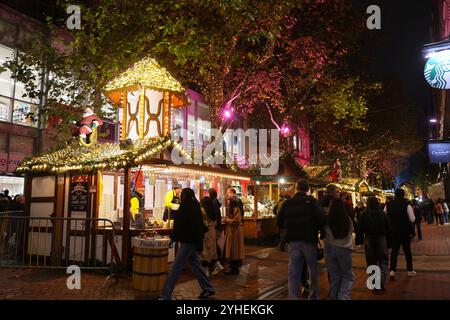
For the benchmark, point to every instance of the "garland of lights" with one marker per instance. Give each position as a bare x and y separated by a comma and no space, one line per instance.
148,73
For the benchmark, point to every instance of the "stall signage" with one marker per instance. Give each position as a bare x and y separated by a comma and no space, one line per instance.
79,196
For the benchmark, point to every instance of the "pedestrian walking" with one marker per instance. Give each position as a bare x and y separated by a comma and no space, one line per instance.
418,214
276,209
439,211
445,207
338,250
428,208
189,230
209,253
303,217
401,215
219,229
234,241
375,227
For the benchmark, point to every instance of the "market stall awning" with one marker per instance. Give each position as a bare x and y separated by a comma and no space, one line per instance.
75,157
114,156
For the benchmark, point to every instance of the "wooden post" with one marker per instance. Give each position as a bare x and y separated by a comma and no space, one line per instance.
124,116
126,219
141,126
58,225
255,211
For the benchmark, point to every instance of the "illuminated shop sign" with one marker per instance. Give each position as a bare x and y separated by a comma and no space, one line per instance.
439,152
437,66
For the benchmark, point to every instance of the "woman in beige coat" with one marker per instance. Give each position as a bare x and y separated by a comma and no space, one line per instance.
234,243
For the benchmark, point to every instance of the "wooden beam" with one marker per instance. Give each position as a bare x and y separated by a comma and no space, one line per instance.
126,241
124,116
141,127
58,225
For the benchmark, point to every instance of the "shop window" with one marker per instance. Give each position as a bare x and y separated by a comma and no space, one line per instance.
299,143
25,113
22,93
177,119
6,82
5,109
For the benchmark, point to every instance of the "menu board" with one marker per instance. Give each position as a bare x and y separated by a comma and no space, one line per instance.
79,196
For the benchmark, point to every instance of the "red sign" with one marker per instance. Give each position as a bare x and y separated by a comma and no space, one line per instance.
3,161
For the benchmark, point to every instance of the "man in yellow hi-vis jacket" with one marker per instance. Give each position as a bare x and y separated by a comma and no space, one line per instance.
172,201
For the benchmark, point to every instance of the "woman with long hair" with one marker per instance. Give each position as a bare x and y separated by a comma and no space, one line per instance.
234,243
188,230
209,254
338,250
376,228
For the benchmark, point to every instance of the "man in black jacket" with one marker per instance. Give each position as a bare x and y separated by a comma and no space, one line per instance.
401,215
375,229
303,217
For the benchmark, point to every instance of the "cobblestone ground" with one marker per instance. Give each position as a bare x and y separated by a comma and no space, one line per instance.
263,276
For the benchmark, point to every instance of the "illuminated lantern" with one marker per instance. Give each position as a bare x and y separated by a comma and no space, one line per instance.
147,93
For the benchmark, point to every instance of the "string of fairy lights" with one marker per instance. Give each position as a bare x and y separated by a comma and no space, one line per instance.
111,156
147,72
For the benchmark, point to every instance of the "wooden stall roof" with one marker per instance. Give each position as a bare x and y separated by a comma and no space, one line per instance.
114,156
103,156
148,73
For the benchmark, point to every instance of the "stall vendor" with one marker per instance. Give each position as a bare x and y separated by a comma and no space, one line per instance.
172,202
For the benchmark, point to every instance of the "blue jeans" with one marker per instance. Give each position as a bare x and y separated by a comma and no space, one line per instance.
299,252
339,264
445,217
186,252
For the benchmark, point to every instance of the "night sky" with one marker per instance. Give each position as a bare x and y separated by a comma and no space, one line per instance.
405,29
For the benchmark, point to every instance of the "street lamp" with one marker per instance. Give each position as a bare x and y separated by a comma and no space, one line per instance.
433,120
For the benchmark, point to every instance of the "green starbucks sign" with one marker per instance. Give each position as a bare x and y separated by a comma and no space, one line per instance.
437,70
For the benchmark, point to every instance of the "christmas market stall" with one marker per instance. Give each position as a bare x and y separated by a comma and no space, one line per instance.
127,182
263,195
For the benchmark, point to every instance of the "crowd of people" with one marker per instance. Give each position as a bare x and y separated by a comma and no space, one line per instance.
198,228
7,203
311,229
306,222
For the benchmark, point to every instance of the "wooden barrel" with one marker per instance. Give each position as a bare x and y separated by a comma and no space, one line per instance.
150,269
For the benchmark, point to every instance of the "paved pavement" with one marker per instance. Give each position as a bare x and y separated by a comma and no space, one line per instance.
263,276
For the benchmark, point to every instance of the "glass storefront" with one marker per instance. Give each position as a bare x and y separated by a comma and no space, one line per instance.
15,185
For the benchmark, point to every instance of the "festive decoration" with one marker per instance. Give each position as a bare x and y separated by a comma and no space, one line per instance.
86,128
336,174
285,130
98,157
148,73
227,114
